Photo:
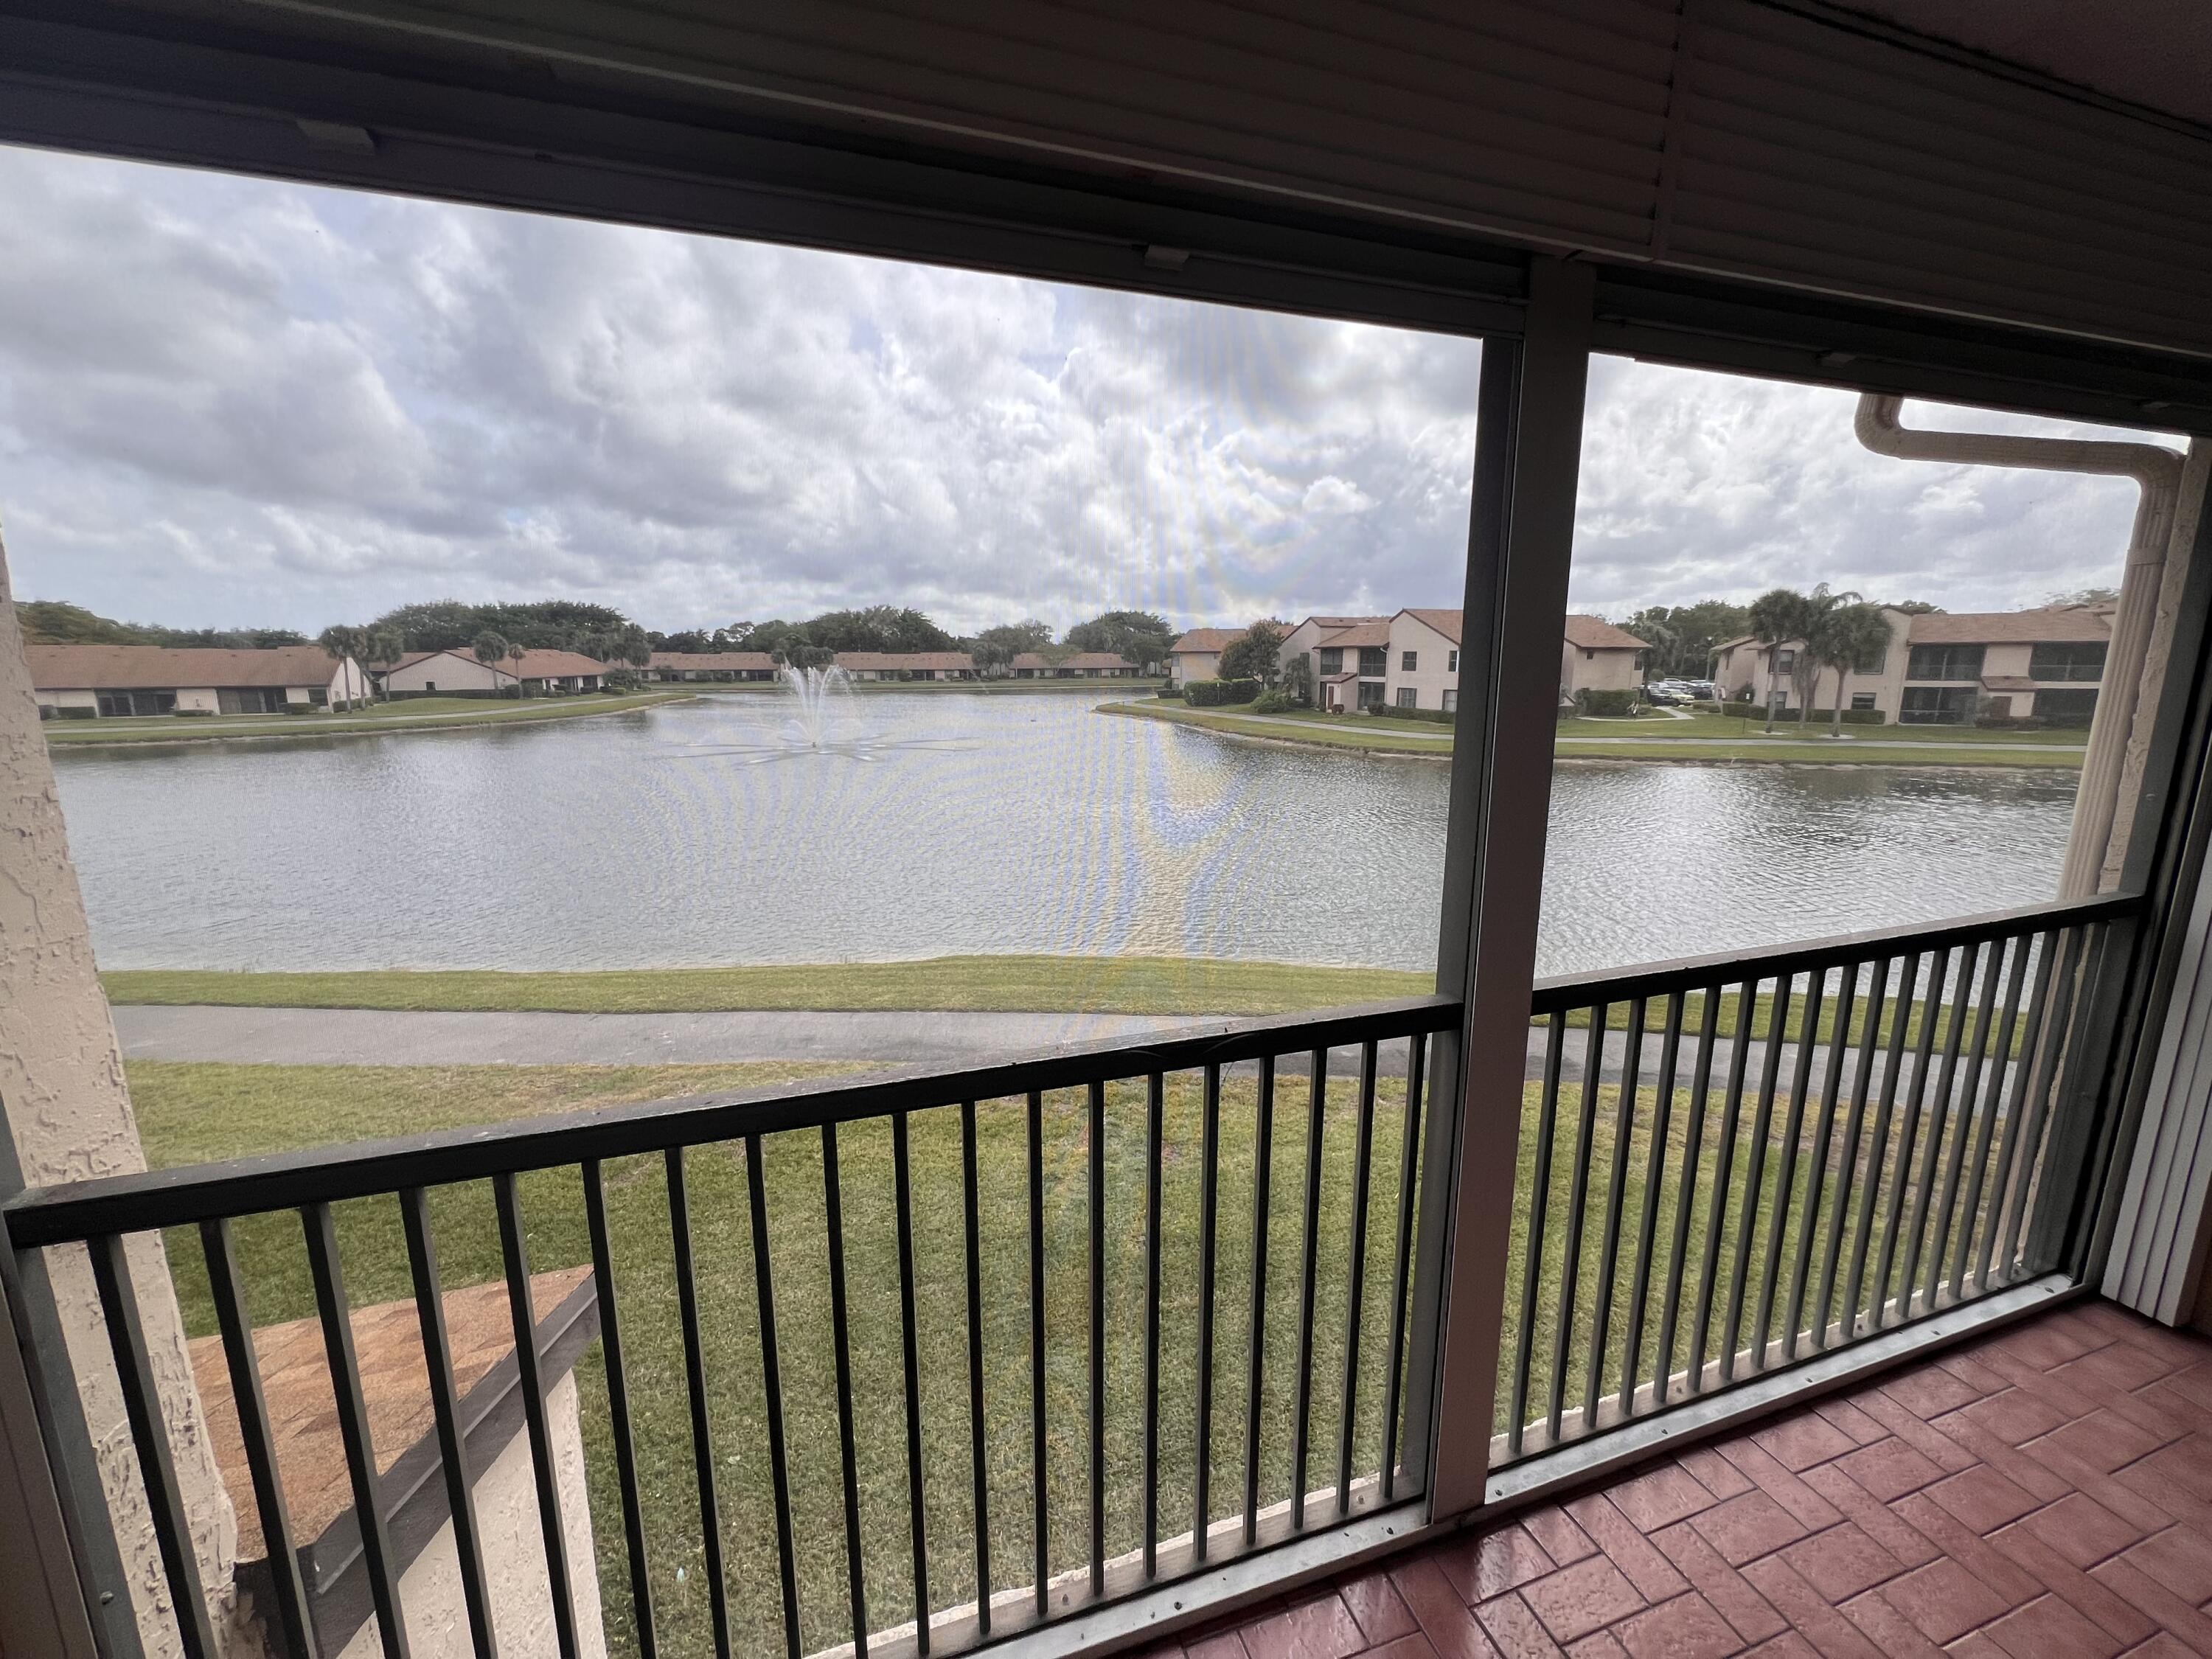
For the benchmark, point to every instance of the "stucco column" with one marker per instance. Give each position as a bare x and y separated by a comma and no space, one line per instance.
68,1116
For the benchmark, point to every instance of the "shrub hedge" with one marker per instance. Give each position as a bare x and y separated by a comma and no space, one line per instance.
1607,703
1209,693
1169,688
1757,711
1393,712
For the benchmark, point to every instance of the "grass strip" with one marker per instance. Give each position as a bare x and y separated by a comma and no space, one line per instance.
423,714
1128,985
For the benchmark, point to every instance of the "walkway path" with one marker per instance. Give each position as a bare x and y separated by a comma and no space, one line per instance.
1900,745
368,1036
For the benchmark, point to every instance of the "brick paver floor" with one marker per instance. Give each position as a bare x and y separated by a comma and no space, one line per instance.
2043,1494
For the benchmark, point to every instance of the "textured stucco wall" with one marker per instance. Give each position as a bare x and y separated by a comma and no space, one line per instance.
515,1558
68,1113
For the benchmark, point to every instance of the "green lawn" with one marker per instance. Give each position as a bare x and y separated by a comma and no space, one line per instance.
190,1112
1703,738
412,714
1128,985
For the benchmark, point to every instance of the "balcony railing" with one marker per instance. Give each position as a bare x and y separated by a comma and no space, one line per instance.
991,1348
1730,1164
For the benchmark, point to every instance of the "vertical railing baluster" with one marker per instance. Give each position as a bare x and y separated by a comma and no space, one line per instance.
903,1196
1310,1242
453,1446
1938,1122
979,1462
2059,1019
1095,1136
772,1389
514,1251
1539,1203
1693,1136
1209,1190
1154,1132
1754,1175
1871,1200
833,1211
1655,1178
1408,1163
1943,1216
1824,1137
1993,1102
695,1382
1263,1153
1909,1137
157,1463
1616,1200
1785,1184
1716,1210
2019,1100
1869,1043
1039,1491
281,1553
336,1317
1570,1263
1356,1274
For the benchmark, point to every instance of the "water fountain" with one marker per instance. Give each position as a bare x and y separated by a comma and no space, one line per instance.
826,718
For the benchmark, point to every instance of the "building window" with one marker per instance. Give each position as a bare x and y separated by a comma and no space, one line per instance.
1785,662
1374,662
1862,699
1944,662
1407,697
1451,662
1370,694
1332,658
1875,660
2067,662
430,685
2072,708
1451,698
1930,705
1409,662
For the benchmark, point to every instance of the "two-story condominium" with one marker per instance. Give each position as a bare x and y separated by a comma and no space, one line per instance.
1349,656
1424,659
1078,666
1945,669
1598,657
457,673
1197,654
86,681
907,665
725,665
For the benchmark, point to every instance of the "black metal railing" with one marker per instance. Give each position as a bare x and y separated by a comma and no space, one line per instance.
1732,1163
1133,1309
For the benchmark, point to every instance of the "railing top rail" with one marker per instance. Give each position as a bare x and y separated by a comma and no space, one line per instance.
326,1174
1563,993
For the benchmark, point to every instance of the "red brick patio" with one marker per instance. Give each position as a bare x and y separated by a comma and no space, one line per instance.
2044,1494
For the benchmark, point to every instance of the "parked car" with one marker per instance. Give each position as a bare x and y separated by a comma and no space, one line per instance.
1665,693
1700,691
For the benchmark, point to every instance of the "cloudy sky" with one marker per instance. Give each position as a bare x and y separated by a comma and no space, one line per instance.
225,402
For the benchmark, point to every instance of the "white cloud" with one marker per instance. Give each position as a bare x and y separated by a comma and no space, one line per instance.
226,400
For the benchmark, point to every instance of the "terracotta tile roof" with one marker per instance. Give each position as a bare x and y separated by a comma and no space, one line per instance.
1446,622
881,660
2062,624
1596,634
716,661
1206,639
536,665
151,667
1370,631
296,1380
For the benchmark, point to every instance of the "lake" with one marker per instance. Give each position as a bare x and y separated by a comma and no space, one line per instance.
682,835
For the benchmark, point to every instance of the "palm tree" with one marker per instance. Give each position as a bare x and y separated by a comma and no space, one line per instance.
344,643
1846,636
381,643
1782,614
489,647
514,652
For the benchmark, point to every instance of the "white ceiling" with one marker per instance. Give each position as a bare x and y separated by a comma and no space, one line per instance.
2157,53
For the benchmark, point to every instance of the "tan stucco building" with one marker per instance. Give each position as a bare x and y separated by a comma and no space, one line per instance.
1350,660
710,665
1945,669
86,681
1197,654
1598,657
907,665
448,674
1424,659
